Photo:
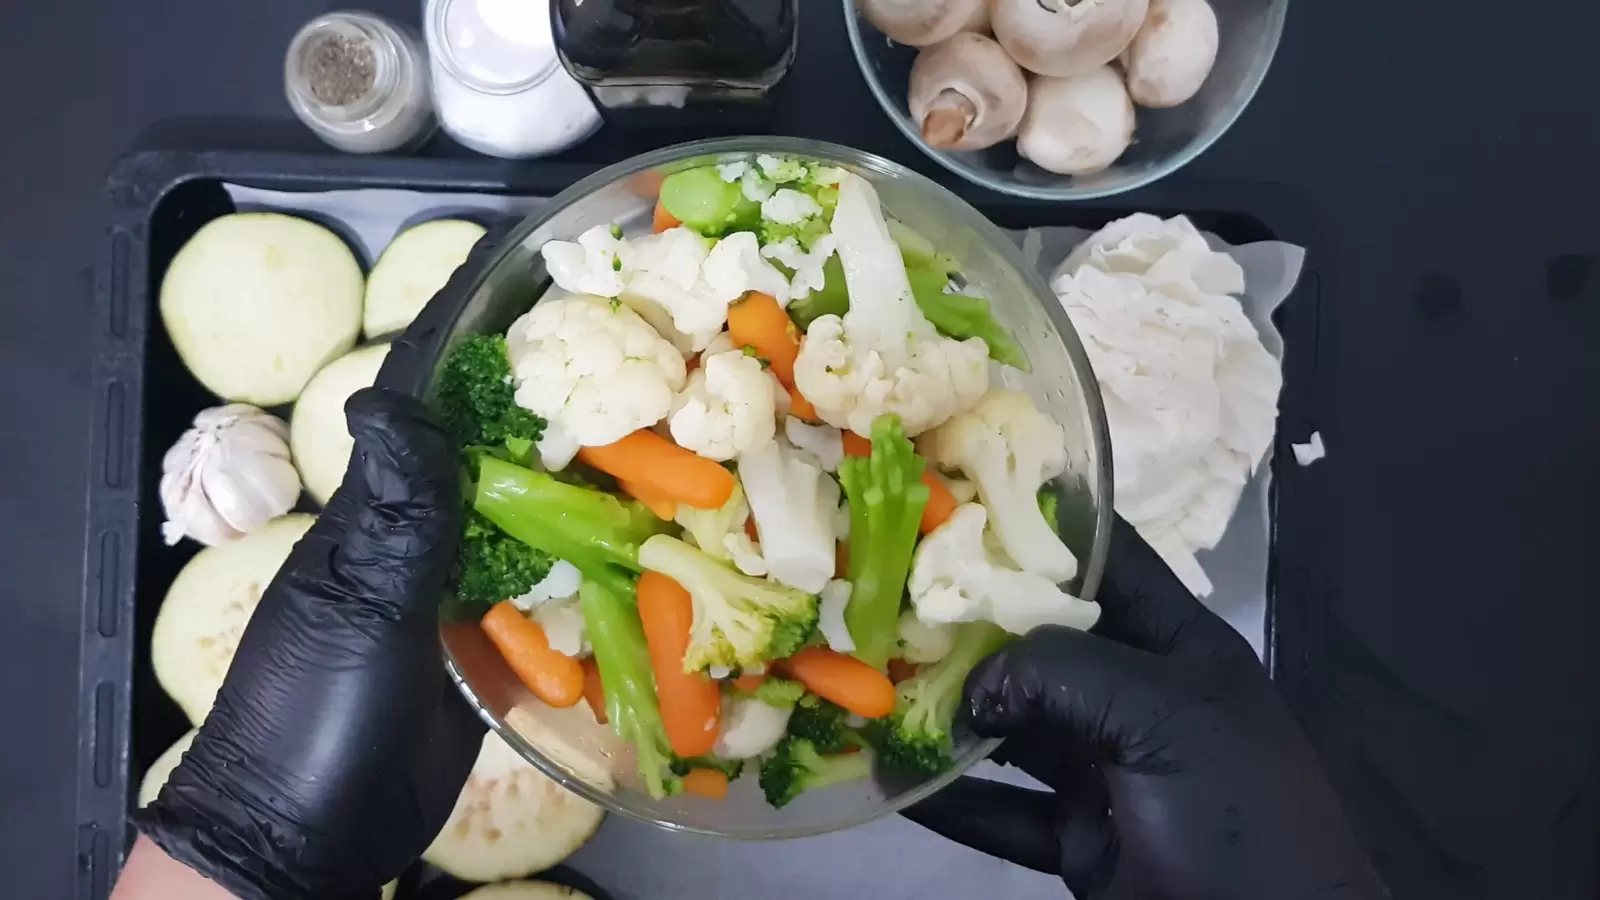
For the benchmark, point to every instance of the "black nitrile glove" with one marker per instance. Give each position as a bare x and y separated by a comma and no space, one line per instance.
1178,773
337,746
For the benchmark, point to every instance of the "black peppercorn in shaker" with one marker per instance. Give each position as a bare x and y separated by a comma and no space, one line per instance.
678,62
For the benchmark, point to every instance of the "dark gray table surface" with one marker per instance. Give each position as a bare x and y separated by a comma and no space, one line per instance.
1450,153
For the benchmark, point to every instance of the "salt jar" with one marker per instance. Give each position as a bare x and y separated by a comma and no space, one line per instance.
497,83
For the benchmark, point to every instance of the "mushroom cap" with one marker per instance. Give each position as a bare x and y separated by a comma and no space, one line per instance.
922,22
970,78
1078,125
1172,54
1066,37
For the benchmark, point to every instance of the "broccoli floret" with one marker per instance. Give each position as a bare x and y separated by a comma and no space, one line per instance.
823,724
732,768
804,232
612,618
475,397
795,766
739,622
916,736
1050,507
492,566
886,500
779,692
581,525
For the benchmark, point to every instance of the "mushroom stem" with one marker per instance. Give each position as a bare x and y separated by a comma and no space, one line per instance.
947,119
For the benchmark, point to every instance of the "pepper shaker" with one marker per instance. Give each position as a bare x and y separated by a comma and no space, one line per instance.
651,63
360,82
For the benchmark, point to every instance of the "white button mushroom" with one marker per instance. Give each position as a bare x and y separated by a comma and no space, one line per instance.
1076,126
1173,53
966,93
924,22
1065,37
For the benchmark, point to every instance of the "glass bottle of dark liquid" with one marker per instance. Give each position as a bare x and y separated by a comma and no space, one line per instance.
678,63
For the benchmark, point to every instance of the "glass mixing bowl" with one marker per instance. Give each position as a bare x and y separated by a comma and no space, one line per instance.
1164,140
501,281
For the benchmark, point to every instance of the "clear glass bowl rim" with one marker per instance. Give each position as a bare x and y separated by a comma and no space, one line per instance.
1099,437
983,177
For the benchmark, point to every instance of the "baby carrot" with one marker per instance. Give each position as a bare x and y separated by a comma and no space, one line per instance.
553,677
941,503
706,783
691,704
758,321
801,408
900,670
593,690
748,683
663,220
844,680
659,466
664,507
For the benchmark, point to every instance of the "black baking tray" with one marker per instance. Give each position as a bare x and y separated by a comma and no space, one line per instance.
143,398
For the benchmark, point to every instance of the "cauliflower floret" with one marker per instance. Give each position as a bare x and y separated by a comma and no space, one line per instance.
789,207
750,727
834,598
781,169
726,409
595,369
954,579
1010,449
684,288
883,356
807,267
720,534
824,442
553,604
592,265
924,643
793,501
556,447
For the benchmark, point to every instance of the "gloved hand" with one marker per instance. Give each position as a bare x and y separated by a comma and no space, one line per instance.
1177,771
337,746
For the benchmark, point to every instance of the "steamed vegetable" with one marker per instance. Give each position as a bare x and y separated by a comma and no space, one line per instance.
726,409
492,566
207,607
751,727
553,677
793,502
622,654
886,501
505,795
691,705
581,525
917,735
739,621
883,356
796,767
475,396
256,303
318,434
825,725
843,680
1010,449
665,469
414,267
941,502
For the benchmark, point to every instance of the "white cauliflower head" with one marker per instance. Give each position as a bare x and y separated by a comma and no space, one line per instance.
1010,449
883,356
593,367
793,502
726,409
954,579
591,265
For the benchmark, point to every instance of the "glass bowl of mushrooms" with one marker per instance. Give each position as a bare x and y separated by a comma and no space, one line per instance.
1064,99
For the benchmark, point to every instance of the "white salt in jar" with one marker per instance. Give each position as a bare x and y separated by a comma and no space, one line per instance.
497,84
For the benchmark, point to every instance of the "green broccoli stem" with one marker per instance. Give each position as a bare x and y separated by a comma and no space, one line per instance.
962,316
886,501
578,524
936,691
620,652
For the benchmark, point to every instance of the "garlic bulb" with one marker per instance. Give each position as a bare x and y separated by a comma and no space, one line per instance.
227,476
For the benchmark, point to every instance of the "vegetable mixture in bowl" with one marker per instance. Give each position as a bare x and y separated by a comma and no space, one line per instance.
768,443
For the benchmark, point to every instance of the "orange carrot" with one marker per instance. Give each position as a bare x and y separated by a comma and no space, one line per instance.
665,508
941,503
663,220
900,670
659,466
841,560
593,690
844,680
554,677
801,408
706,783
691,704
750,529
758,321
747,684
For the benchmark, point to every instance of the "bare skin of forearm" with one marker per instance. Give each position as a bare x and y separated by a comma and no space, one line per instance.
152,875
